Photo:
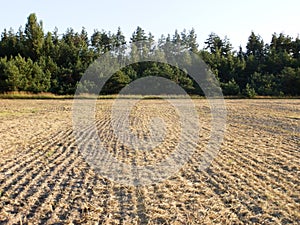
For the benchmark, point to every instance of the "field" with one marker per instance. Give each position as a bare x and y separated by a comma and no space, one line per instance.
255,179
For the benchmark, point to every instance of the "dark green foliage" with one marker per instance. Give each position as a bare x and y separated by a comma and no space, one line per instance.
34,61
34,38
116,83
289,79
25,75
249,91
230,88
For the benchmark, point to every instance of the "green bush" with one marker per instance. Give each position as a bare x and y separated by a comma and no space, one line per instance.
249,91
230,88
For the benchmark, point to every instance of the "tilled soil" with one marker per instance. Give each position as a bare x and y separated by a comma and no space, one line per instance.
255,178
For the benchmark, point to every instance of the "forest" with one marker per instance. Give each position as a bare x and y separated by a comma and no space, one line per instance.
32,60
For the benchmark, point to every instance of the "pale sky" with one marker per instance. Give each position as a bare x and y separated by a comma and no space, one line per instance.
234,18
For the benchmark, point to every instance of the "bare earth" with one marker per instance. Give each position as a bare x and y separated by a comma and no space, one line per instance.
255,179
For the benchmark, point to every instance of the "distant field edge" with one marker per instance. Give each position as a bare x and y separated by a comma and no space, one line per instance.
48,95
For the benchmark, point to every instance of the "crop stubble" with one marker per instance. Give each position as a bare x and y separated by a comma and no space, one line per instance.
254,179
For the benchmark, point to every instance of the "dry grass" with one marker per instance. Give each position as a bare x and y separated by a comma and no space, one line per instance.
29,95
254,180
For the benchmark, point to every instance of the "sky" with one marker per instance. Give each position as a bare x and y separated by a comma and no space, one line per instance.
231,18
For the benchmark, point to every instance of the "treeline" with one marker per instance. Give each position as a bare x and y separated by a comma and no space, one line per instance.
34,61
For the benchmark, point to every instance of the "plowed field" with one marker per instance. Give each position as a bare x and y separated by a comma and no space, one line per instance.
255,179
